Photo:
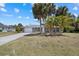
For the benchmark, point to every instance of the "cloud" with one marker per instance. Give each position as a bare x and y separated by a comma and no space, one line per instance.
16,10
19,16
7,15
35,19
3,9
75,8
24,4
31,11
2,5
76,15
27,17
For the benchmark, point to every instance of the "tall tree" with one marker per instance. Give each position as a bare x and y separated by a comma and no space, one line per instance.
63,15
37,13
62,10
49,24
48,10
42,10
77,25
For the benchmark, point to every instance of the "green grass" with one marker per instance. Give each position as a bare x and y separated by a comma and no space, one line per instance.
66,45
6,33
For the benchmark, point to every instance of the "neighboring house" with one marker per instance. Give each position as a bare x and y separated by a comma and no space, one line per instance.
0,29
7,28
11,28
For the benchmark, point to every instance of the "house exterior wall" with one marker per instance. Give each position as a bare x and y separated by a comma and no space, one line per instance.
8,30
0,29
31,29
28,30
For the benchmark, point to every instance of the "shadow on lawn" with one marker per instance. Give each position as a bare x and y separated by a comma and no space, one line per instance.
46,35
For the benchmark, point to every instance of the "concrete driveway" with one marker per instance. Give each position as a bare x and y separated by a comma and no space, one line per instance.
6,39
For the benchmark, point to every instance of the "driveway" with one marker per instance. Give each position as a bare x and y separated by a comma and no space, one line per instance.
6,39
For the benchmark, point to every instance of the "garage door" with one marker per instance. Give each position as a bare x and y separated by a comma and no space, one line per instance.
28,30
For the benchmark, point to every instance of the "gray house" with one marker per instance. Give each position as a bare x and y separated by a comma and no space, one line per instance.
7,28
36,28
32,28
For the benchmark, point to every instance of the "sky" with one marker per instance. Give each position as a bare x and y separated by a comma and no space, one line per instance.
14,13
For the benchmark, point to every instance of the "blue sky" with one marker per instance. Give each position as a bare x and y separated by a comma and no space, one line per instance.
14,13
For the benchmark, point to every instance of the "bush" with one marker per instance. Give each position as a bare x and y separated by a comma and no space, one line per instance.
18,29
69,29
0,30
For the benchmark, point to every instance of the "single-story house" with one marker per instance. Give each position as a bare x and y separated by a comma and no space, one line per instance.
36,28
31,28
7,28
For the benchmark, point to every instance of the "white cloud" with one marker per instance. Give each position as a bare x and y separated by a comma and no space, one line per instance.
31,11
2,5
27,17
35,19
75,8
24,4
3,9
16,10
19,16
7,15
76,15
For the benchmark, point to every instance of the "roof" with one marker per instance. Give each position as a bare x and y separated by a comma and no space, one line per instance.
31,26
6,26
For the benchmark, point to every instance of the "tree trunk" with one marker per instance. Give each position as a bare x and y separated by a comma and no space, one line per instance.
50,31
43,28
40,26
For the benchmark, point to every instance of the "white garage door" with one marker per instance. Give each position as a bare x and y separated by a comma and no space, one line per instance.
28,30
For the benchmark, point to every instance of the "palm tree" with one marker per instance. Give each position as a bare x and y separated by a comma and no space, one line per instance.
61,13
52,23
41,11
77,24
49,24
37,13
48,10
62,10
65,22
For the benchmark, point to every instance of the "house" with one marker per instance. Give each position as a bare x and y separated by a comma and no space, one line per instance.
36,28
7,28
11,28
1,27
32,28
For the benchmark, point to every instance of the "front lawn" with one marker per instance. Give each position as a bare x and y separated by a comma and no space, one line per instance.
68,44
6,33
